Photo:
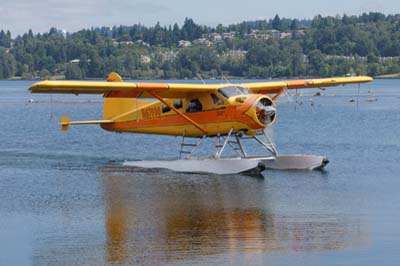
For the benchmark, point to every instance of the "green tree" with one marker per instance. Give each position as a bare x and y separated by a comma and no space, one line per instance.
5,39
7,64
316,62
277,23
73,72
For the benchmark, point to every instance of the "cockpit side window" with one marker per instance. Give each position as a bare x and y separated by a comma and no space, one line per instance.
194,106
216,100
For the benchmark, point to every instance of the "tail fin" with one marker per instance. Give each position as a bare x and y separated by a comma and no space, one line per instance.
123,105
114,77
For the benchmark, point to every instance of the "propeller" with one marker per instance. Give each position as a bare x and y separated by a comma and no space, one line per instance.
265,111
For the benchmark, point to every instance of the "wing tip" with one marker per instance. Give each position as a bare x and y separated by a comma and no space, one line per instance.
64,123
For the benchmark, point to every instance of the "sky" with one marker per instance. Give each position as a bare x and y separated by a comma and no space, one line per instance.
19,16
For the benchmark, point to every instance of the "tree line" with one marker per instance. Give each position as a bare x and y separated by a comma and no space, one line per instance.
368,44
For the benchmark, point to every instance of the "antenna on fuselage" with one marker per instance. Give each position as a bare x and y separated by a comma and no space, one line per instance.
230,83
226,79
202,80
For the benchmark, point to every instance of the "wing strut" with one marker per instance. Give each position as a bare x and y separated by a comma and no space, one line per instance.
278,94
179,112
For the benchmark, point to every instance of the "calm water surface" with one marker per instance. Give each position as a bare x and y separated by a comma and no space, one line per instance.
66,200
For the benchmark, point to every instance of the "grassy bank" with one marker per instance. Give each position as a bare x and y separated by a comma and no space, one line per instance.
54,77
389,76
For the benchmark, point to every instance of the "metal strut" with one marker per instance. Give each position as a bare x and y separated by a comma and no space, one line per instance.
237,146
189,148
220,148
269,145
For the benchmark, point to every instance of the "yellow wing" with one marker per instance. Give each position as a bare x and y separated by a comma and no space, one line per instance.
114,87
277,86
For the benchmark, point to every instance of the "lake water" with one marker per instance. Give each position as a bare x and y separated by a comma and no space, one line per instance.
66,200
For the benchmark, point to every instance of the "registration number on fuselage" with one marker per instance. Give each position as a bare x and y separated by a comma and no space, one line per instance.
151,112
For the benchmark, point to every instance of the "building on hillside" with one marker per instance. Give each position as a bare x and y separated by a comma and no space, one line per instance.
236,54
274,33
228,35
257,35
145,59
216,37
116,43
202,41
168,56
284,35
143,43
183,43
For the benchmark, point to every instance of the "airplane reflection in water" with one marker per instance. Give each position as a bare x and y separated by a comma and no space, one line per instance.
152,217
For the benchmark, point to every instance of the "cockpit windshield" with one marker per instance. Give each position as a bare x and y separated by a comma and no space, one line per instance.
230,91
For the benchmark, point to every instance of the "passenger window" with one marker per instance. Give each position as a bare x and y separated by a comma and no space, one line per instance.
165,108
178,104
194,106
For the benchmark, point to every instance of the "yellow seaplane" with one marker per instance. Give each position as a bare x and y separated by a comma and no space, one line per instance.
227,112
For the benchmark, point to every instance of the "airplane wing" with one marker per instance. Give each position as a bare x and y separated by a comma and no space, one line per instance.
119,89
277,86
114,87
